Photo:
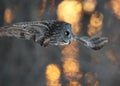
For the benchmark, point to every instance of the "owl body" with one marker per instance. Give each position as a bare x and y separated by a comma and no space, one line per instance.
50,32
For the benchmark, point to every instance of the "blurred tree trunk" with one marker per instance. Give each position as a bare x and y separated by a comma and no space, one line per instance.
2,8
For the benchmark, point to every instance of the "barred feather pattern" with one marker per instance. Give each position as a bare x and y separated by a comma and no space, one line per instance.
47,32
50,32
95,43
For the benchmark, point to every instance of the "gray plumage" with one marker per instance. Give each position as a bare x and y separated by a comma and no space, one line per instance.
50,32
45,33
95,43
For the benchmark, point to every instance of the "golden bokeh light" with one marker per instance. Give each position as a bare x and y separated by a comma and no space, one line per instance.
70,62
71,65
89,6
115,6
8,16
71,69
111,56
74,83
53,75
91,79
71,12
71,50
96,23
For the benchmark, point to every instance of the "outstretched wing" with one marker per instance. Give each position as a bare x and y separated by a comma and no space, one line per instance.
28,31
95,43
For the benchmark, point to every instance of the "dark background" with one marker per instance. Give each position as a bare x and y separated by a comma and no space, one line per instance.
23,63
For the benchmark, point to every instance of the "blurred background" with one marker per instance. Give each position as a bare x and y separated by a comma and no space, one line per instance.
24,63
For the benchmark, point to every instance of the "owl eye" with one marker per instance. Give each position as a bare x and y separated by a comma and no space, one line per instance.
66,33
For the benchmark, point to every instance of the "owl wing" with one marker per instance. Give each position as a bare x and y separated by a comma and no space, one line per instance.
95,43
26,31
